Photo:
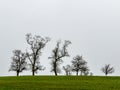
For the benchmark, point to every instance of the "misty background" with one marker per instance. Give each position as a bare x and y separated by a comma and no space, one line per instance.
93,27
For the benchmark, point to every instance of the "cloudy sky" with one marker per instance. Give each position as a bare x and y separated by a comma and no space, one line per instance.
93,26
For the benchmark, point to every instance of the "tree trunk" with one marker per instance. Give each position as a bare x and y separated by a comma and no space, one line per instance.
55,73
77,73
67,73
105,74
55,66
17,73
33,72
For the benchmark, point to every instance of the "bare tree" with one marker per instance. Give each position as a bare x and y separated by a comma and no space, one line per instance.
67,69
57,55
37,43
84,70
107,69
91,74
18,63
78,64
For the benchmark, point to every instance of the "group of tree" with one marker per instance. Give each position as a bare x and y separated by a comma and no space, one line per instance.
20,60
31,58
79,65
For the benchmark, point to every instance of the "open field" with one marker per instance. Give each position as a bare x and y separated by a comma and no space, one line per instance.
59,83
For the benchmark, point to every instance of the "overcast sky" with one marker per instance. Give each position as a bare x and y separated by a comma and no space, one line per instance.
93,26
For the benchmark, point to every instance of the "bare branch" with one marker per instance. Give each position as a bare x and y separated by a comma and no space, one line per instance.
57,55
18,63
37,43
107,69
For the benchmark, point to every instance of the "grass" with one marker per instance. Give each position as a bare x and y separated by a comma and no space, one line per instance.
59,83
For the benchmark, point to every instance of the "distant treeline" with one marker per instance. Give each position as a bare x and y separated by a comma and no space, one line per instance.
30,60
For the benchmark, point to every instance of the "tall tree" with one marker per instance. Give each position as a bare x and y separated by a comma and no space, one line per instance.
107,69
78,64
18,63
67,69
37,43
57,55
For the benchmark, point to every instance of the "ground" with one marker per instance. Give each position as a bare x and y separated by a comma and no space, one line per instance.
60,83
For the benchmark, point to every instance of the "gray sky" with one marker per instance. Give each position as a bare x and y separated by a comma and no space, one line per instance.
91,25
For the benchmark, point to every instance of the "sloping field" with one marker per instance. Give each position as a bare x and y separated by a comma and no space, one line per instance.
59,83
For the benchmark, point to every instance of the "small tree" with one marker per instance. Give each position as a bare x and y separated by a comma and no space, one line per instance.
91,74
37,43
78,64
18,63
84,70
57,55
107,69
67,70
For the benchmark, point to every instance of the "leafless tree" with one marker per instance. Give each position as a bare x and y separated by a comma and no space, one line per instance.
78,64
107,69
91,74
57,55
18,63
37,43
84,70
67,69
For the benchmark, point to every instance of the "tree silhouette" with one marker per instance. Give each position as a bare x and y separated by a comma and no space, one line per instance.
107,69
67,69
78,64
18,63
57,55
84,70
37,43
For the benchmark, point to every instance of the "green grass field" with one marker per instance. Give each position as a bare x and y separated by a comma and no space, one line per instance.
59,83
